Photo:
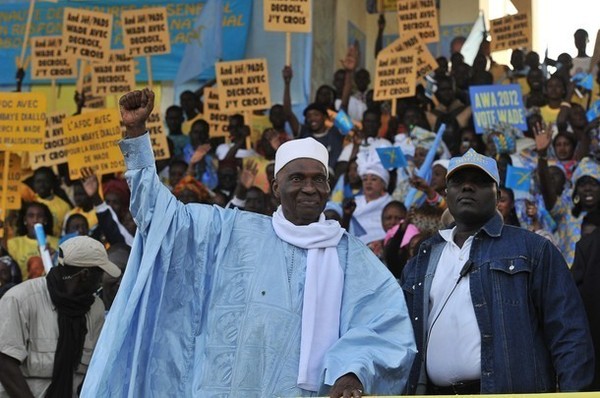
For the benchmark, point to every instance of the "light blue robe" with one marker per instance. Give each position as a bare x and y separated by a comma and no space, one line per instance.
210,305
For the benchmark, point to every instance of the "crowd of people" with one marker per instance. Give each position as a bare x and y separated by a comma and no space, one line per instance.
511,318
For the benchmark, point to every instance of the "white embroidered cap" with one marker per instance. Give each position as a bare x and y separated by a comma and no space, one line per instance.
301,148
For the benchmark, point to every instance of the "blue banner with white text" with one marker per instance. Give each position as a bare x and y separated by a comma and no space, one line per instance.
48,17
497,104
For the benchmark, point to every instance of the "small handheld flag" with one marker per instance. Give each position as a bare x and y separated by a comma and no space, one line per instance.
391,157
518,178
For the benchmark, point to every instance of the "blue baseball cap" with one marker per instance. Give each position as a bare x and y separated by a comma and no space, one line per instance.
477,160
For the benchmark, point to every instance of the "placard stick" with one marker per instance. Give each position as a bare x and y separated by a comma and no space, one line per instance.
27,29
52,104
4,189
288,48
81,64
149,70
394,107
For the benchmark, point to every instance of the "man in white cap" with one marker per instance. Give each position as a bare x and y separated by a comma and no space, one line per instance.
50,325
232,303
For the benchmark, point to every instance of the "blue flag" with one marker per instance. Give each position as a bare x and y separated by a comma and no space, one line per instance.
518,178
205,48
594,111
584,80
391,157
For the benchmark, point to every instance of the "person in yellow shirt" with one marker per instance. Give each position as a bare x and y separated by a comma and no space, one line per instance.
44,181
24,246
556,92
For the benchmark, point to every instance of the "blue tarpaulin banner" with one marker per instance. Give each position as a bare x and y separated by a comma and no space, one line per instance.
48,17
495,104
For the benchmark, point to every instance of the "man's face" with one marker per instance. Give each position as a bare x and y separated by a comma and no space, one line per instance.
315,120
445,93
188,101
535,79
77,224
338,81
301,186
362,80
42,184
472,196
34,215
255,201
277,117
174,118
371,124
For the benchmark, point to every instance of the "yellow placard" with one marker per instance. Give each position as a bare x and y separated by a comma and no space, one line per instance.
91,101
115,77
511,31
13,198
243,85
47,60
54,143
386,5
146,31
155,127
217,120
86,34
426,63
418,17
288,15
395,75
22,121
92,142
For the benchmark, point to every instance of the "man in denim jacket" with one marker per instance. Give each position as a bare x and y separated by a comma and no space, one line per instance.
494,308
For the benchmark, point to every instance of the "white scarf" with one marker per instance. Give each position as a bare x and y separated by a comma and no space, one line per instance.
323,286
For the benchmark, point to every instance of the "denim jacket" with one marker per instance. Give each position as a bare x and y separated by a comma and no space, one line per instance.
534,331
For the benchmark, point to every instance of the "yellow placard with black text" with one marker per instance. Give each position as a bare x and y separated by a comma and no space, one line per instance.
115,77
158,137
48,61
426,63
86,34
395,75
92,142
22,121
13,198
243,85
287,15
218,121
54,143
146,31
418,17
511,31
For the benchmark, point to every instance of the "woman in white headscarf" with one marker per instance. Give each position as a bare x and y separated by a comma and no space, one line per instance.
366,219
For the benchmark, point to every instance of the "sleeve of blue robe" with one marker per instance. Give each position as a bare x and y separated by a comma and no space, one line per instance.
134,340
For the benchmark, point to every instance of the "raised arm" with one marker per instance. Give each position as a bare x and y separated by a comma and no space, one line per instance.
287,74
543,138
349,63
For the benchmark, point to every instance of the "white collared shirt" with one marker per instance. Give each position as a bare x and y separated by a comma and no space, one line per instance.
454,345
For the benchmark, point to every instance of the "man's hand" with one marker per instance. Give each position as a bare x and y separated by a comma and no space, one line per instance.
543,138
135,108
248,174
90,184
199,154
287,74
350,63
347,386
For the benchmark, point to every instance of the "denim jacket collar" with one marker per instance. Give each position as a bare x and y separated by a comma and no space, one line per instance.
494,226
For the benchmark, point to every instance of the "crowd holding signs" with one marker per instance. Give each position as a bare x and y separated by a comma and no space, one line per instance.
83,50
